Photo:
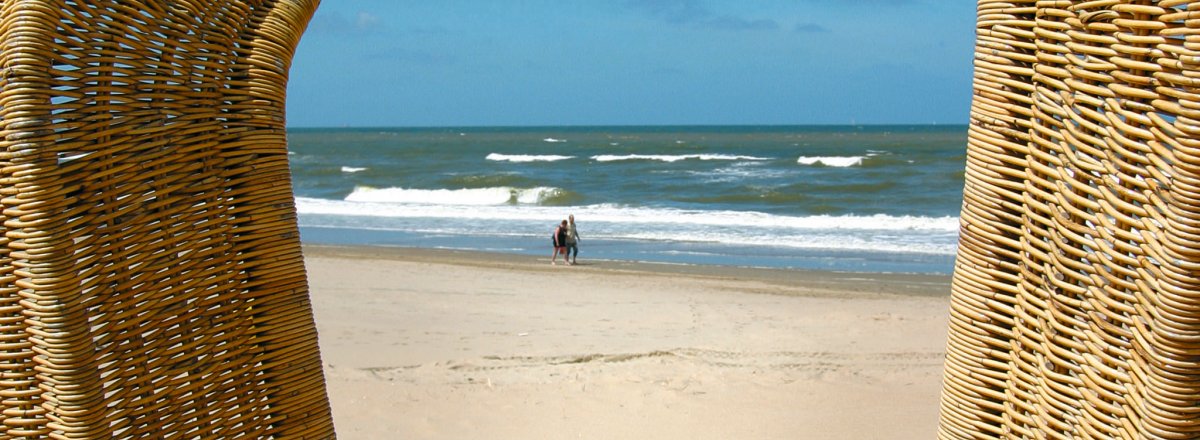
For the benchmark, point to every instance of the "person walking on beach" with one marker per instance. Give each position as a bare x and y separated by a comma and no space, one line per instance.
572,250
560,243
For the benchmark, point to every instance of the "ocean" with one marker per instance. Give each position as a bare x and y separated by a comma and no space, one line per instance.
842,198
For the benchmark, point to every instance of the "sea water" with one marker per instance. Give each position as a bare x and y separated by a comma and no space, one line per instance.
846,198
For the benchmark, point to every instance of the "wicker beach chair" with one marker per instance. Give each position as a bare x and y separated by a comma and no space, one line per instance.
153,285
1076,293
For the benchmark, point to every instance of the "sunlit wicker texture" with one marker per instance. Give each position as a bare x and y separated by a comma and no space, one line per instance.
152,280
1075,308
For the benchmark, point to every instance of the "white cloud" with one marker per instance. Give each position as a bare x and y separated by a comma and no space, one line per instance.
335,23
366,21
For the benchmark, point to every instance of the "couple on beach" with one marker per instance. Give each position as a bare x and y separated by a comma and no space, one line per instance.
566,241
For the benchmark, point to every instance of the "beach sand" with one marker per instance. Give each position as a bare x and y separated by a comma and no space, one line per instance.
426,344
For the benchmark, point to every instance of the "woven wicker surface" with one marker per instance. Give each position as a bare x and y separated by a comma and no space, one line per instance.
153,285
1076,297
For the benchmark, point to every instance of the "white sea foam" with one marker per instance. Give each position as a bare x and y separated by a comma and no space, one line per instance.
672,158
831,161
443,212
526,157
366,200
553,140
738,171
803,241
353,169
398,202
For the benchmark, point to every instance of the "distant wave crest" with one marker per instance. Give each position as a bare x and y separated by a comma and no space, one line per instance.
353,169
672,158
457,197
832,161
526,157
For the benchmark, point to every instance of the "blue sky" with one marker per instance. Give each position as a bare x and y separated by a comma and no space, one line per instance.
639,62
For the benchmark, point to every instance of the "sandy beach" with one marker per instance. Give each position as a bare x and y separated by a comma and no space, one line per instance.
425,344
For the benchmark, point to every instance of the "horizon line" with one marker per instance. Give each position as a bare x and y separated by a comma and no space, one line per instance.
926,124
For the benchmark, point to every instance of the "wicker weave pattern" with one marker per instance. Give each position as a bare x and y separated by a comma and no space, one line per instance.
1076,296
152,284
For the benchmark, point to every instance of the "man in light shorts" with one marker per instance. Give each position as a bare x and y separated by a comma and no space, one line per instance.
572,240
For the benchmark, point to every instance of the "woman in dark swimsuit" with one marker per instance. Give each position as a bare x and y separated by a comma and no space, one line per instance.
560,242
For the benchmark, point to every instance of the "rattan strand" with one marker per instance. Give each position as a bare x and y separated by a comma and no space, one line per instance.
1075,309
151,283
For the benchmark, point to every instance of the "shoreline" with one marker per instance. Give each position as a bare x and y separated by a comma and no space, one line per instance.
667,251
919,284
444,344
